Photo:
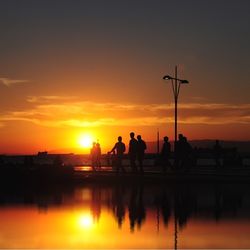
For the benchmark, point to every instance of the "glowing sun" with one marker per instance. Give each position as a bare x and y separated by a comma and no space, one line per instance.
85,141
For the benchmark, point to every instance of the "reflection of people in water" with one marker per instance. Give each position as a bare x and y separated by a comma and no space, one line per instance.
141,212
181,201
136,208
132,208
162,201
96,203
118,204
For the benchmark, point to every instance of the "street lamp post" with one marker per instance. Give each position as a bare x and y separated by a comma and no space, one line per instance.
176,83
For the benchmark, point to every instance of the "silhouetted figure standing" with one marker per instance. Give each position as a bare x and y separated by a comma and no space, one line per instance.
141,147
111,160
179,150
217,150
165,154
98,153
119,150
187,157
183,153
93,156
132,151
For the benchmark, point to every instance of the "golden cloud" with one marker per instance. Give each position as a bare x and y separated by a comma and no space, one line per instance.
59,111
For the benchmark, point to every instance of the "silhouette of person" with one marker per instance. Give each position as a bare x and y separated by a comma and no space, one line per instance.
165,154
179,149
132,151
93,156
111,160
217,151
98,153
119,150
187,158
141,147
183,153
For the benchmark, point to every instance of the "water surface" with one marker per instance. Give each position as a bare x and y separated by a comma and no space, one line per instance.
126,216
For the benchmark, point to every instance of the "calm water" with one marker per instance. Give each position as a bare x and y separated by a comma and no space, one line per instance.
126,216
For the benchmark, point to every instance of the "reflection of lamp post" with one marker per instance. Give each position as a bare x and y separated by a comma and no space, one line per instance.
176,83
175,223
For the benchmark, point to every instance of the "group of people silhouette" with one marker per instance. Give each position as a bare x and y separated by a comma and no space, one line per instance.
182,157
136,152
183,154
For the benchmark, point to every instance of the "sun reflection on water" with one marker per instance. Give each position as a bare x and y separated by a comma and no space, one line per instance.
85,221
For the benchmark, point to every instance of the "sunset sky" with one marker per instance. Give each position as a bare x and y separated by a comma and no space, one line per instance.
70,68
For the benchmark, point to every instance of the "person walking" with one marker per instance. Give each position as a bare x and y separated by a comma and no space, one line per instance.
141,147
132,152
119,149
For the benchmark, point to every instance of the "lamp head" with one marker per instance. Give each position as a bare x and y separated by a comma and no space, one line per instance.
167,77
184,81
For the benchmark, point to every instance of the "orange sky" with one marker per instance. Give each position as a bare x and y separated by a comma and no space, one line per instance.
57,123
75,67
